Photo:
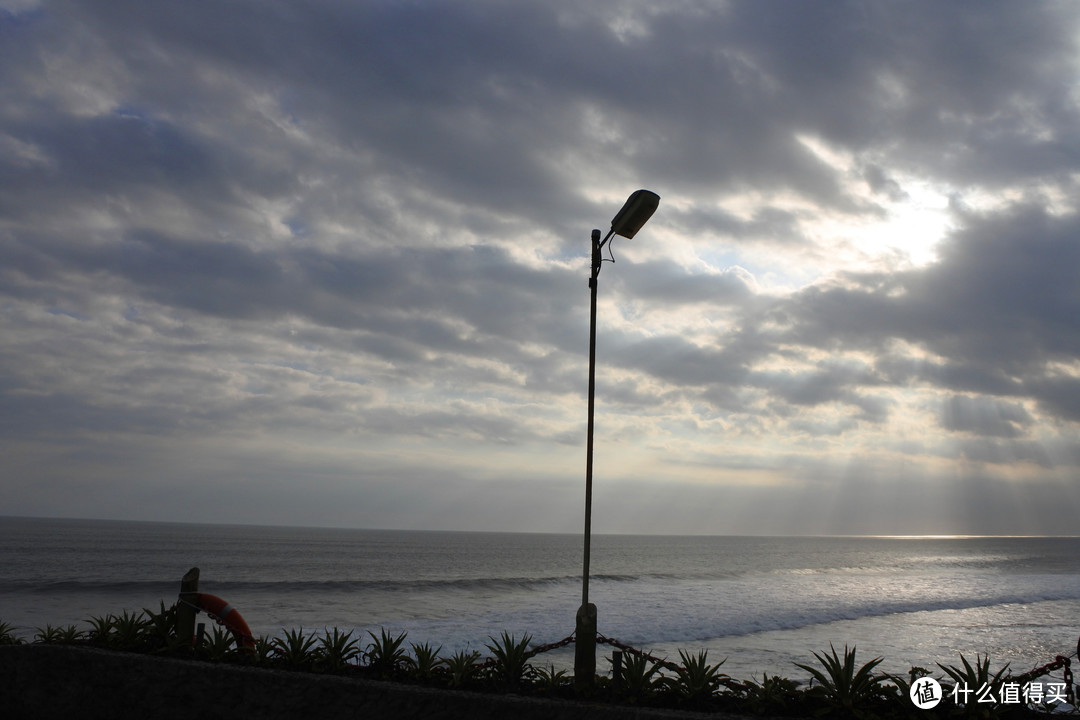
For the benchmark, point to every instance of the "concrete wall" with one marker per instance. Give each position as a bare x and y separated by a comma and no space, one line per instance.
55,681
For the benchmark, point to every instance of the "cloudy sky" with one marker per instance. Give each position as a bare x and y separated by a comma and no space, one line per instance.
325,263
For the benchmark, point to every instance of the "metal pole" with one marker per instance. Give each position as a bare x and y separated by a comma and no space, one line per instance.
589,432
585,634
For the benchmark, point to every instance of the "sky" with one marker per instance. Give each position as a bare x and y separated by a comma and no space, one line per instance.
326,263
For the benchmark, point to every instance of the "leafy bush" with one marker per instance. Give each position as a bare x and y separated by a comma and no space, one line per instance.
129,631
773,696
218,646
842,687
161,625
426,661
510,658
295,649
337,650
980,682
462,668
695,681
639,678
552,680
101,629
385,655
263,652
8,636
53,635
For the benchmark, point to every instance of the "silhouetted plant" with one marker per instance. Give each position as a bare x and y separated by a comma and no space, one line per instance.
338,649
426,661
263,652
58,635
101,629
8,636
509,658
218,645
843,687
773,696
462,668
385,655
161,625
295,649
552,680
639,677
985,689
128,631
695,680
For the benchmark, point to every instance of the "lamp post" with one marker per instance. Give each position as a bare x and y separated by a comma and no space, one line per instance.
637,210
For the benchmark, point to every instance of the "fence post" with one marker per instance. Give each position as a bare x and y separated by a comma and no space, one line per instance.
616,669
185,613
585,648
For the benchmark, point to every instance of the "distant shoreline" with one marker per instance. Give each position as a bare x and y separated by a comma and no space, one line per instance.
332,528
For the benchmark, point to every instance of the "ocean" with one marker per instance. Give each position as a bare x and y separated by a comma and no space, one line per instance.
763,603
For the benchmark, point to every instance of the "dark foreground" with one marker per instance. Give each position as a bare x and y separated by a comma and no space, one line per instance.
44,681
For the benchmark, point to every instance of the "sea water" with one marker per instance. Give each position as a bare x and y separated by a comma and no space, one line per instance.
763,603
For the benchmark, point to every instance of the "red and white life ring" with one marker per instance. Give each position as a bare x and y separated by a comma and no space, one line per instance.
228,616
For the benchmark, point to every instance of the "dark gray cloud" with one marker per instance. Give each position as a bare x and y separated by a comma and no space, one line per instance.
354,235
983,416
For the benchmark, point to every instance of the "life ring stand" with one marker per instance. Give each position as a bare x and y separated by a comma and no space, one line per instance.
224,614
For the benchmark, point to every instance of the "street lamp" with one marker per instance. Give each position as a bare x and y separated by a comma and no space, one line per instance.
637,210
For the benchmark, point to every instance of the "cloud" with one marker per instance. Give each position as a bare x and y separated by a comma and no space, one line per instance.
350,241
996,314
982,416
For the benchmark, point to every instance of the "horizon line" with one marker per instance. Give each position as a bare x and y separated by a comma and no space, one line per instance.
879,536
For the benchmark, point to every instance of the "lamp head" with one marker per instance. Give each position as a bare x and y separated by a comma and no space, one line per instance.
637,210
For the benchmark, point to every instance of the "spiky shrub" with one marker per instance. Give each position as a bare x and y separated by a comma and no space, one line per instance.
426,662
509,659
462,668
639,677
101,629
295,649
129,631
844,687
552,680
263,652
695,681
162,622
160,630
50,635
980,682
217,646
69,634
386,654
772,696
337,650
8,636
